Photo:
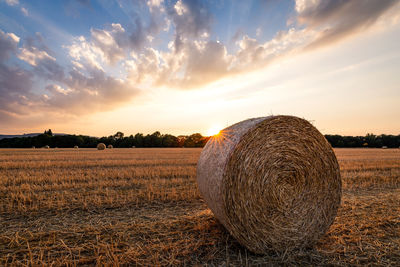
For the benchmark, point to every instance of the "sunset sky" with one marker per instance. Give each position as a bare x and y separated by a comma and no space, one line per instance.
180,67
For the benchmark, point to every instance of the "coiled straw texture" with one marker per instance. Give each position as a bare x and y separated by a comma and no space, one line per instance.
273,182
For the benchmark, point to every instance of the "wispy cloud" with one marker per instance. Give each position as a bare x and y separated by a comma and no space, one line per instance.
12,2
15,82
337,19
192,19
8,45
33,56
24,11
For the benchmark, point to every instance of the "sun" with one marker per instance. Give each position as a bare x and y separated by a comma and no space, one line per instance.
213,131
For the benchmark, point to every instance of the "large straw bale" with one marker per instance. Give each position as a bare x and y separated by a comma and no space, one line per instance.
273,182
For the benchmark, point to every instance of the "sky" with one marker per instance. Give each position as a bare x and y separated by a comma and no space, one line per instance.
181,67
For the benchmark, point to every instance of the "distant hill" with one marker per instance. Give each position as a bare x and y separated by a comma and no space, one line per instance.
2,136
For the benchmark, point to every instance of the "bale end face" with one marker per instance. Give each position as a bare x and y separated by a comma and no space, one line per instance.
275,182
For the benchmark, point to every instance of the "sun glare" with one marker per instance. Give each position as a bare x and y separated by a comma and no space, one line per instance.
213,131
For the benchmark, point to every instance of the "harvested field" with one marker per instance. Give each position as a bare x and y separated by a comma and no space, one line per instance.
142,206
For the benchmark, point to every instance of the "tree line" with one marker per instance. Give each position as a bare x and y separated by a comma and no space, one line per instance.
369,140
157,139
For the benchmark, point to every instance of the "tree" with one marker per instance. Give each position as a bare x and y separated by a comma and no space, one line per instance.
49,132
119,135
155,139
370,139
169,141
181,140
194,140
139,140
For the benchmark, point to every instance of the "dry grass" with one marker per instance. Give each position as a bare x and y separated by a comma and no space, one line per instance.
142,206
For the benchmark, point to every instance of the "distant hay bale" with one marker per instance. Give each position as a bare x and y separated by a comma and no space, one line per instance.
384,147
101,146
133,146
273,182
110,146
76,147
33,147
46,147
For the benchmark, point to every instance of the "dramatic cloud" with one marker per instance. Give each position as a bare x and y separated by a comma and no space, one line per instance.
8,45
38,55
114,43
15,90
84,53
33,56
336,19
253,55
154,3
168,44
88,93
12,2
75,92
111,42
15,83
198,67
24,11
87,89
196,64
199,62
193,60
192,19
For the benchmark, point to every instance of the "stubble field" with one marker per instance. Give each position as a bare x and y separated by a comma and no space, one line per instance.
142,207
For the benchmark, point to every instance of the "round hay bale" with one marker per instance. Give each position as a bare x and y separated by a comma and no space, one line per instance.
110,146
46,147
76,147
101,146
133,146
273,182
33,147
